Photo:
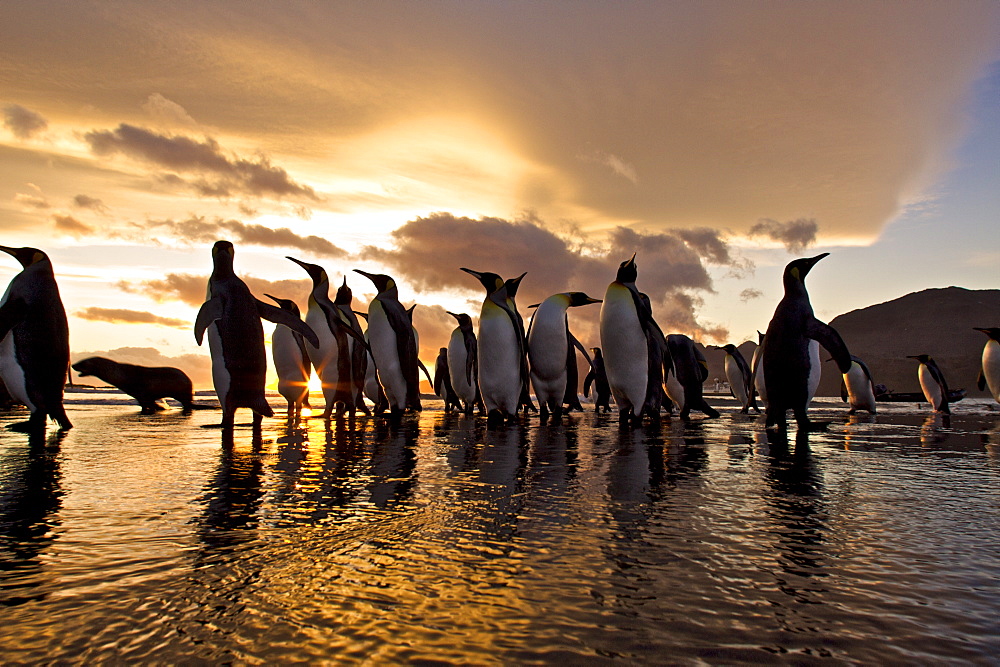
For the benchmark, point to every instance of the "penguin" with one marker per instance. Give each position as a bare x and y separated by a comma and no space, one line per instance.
442,382
932,383
231,315
338,366
989,375
738,375
858,388
491,282
691,371
372,389
571,399
756,372
631,351
599,377
291,362
393,346
463,356
790,367
358,353
551,350
34,341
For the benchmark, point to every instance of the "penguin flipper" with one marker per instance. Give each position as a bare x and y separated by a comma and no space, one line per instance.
209,312
12,313
981,380
576,343
843,391
828,337
278,316
420,364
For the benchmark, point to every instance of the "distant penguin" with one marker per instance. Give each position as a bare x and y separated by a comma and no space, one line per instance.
989,375
393,346
34,341
738,375
858,388
691,370
756,372
291,362
932,383
442,382
791,368
231,315
550,348
463,362
627,338
339,365
598,376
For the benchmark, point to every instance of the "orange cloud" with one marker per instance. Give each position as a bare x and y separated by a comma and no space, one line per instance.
124,316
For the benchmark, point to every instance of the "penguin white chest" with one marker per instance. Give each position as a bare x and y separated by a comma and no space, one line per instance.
859,389
324,357
548,342
736,380
991,367
10,370
220,374
458,363
382,339
624,344
499,359
815,369
758,379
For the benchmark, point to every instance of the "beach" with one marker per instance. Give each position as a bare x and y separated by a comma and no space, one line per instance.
140,538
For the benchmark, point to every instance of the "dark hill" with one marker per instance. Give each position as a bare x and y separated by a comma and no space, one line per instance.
938,322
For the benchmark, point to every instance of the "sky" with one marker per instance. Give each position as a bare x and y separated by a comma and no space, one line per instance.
716,140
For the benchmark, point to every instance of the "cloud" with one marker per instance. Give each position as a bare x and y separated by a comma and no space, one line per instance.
231,175
164,110
428,252
795,235
91,203
749,294
32,201
613,162
124,316
434,325
198,229
69,225
23,123
191,289
198,367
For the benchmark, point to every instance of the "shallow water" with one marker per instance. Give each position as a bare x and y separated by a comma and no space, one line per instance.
140,538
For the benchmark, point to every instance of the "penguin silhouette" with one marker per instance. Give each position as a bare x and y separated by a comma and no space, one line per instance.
989,375
291,362
932,383
463,362
34,341
442,382
858,388
598,376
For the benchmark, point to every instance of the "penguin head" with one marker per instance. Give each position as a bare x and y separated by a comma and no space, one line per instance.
26,256
922,358
580,299
462,318
443,352
512,284
285,304
796,270
222,258
315,271
760,338
344,294
992,332
627,271
596,351
491,282
730,348
382,282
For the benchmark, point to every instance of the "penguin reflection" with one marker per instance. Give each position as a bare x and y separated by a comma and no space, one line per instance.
394,460
30,500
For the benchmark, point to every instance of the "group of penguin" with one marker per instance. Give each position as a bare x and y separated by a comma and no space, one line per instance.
494,369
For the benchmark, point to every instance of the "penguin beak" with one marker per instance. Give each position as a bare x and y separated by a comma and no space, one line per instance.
367,275
475,274
274,299
9,251
310,268
631,261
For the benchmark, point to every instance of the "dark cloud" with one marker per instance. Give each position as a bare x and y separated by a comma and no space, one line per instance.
795,235
749,294
429,251
124,316
434,325
191,289
197,229
223,175
91,203
67,224
23,123
198,367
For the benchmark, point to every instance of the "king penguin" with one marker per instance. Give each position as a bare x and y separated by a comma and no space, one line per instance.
550,347
334,358
628,341
989,375
34,341
598,375
442,382
393,346
231,315
463,360
691,370
356,346
932,383
858,388
791,368
738,375
291,362
756,372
